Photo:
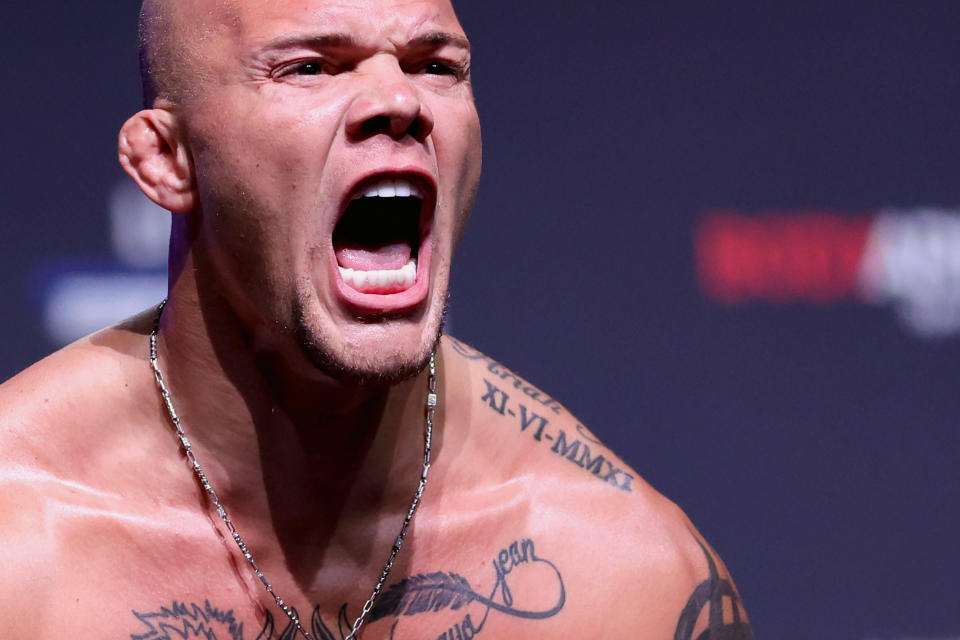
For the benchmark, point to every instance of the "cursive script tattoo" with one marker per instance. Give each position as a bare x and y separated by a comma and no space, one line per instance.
412,596
495,368
441,591
518,400
711,594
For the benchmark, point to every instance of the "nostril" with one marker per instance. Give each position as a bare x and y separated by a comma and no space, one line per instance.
396,127
375,125
414,130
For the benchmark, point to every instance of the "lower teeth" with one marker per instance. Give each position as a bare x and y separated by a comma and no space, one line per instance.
381,281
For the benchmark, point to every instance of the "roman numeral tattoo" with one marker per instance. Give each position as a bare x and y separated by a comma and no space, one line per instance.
572,448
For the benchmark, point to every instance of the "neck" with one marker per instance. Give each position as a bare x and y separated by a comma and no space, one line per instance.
300,459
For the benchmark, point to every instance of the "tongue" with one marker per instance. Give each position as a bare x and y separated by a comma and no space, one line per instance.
363,258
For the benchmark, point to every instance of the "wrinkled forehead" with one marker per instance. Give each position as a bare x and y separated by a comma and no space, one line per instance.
220,25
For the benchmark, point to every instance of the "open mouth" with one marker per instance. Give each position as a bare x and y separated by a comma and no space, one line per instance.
378,239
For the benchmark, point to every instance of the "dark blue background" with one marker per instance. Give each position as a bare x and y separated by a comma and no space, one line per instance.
814,446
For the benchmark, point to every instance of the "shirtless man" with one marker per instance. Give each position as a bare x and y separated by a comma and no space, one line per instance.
320,158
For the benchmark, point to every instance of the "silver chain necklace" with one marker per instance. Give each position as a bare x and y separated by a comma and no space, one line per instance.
431,404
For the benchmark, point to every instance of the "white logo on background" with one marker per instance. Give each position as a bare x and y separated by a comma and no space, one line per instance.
84,299
912,261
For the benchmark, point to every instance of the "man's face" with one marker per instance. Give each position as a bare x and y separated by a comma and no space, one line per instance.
337,152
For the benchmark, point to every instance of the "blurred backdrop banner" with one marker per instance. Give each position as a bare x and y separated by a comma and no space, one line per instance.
725,235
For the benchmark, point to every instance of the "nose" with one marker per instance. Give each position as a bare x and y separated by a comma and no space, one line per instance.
388,104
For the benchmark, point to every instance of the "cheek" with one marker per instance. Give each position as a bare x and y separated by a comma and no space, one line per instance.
468,171
457,143
264,168
250,250
270,140
474,146
255,222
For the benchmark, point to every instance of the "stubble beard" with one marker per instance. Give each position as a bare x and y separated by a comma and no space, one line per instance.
336,362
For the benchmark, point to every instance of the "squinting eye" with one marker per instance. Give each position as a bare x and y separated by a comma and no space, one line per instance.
309,69
438,68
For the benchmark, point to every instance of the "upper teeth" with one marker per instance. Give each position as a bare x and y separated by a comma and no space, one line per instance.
391,188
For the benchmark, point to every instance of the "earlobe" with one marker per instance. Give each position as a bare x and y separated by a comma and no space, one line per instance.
152,154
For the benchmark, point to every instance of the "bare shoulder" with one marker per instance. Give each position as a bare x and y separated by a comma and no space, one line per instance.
79,383
56,403
59,420
63,418
614,537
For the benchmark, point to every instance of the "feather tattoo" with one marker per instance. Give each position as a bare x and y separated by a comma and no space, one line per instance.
424,593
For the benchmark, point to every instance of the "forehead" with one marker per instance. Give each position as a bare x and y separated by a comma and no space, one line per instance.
395,21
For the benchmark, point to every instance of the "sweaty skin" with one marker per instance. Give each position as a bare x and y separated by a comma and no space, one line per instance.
303,395
103,520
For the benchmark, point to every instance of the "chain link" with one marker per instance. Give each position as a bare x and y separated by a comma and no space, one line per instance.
431,403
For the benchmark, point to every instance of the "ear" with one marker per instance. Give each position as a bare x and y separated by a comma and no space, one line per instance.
153,155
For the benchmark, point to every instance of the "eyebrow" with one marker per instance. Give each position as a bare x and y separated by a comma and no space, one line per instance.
439,39
327,40
434,39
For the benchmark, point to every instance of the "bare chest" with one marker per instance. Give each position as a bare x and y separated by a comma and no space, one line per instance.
123,582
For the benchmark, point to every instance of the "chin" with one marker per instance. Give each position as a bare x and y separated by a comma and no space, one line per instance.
383,354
